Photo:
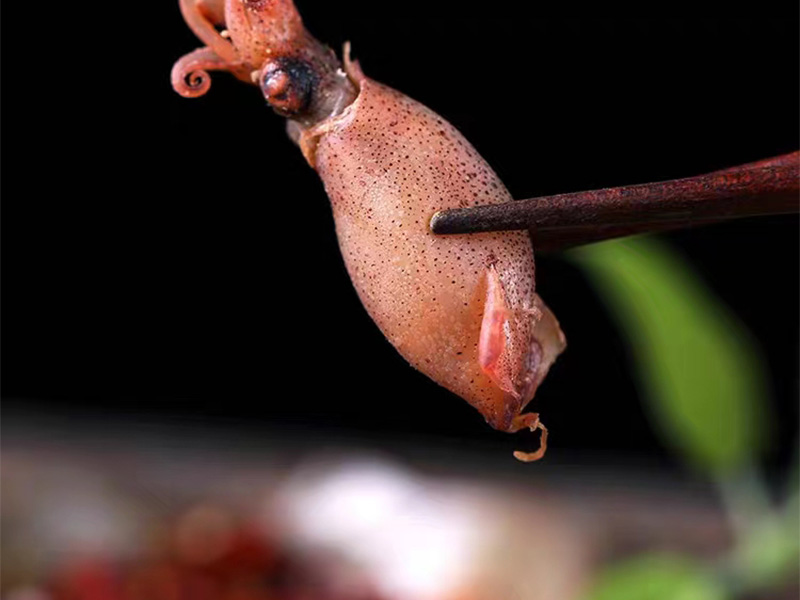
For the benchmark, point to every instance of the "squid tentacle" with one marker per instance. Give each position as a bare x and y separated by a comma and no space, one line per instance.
214,10
190,76
195,15
532,422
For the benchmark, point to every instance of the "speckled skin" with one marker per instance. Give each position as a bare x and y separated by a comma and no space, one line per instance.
388,164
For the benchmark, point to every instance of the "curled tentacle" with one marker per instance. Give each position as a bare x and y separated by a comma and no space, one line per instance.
190,76
213,10
197,17
532,422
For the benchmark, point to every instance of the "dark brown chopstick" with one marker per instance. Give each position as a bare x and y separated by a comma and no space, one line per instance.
766,187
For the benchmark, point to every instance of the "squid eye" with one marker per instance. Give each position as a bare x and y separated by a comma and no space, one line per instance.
287,85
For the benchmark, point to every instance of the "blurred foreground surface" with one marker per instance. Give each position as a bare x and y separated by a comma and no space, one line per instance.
138,511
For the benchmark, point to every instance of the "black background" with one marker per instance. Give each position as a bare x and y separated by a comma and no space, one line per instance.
175,259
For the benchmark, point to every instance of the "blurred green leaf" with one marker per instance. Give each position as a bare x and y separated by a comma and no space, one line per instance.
769,555
701,375
656,577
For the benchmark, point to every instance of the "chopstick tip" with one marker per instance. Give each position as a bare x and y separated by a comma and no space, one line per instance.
436,222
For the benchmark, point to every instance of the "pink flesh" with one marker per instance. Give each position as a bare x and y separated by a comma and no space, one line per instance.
492,341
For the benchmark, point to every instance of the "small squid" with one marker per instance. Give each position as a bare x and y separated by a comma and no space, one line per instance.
462,309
